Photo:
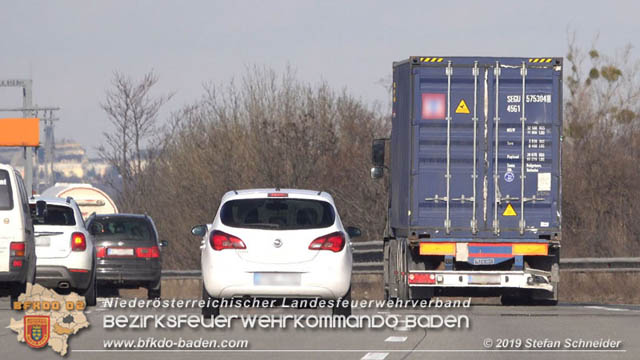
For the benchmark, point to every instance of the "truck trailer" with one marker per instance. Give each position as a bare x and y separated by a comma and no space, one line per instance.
474,179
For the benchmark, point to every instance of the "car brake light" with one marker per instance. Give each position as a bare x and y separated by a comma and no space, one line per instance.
16,263
221,241
148,252
101,252
78,242
334,242
17,249
278,194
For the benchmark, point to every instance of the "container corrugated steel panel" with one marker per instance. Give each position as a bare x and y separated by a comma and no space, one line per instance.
511,117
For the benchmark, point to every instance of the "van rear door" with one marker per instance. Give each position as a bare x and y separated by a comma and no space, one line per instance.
8,221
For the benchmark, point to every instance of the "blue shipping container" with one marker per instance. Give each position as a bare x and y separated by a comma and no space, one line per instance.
476,148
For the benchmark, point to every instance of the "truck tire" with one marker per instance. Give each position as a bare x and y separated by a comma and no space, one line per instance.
395,269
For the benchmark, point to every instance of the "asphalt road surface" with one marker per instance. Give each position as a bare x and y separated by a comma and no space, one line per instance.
489,326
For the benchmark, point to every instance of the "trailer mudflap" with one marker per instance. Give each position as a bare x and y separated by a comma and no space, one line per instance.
520,279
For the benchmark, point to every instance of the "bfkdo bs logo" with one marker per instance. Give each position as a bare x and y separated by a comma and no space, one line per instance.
36,330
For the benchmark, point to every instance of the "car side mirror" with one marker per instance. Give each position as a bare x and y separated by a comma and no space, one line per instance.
377,172
41,209
353,231
164,243
199,230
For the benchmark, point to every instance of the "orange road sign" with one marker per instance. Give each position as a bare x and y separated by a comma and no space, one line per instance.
20,132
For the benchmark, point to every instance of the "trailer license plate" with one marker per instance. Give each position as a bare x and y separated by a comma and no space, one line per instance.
120,252
276,279
485,279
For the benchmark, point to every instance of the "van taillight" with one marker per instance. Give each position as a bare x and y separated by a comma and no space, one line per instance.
334,242
221,241
16,249
148,252
78,242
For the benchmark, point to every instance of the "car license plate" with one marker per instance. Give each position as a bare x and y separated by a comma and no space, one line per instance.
43,241
276,279
119,252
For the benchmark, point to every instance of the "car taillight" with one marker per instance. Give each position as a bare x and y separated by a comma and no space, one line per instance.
333,242
101,252
221,241
78,242
148,252
16,249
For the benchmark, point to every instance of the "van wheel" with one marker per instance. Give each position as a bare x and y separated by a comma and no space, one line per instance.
90,295
339,310
16,290
209,311
155,292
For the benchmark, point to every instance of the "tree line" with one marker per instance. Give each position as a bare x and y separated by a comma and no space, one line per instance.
271,129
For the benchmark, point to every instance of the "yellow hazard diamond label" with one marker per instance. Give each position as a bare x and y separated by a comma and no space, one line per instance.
462,108
509,211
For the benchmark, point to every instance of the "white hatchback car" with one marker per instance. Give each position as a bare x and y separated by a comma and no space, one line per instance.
64,248
276,243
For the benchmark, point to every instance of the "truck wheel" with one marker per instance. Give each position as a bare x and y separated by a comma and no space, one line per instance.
209,311
338,309
395,270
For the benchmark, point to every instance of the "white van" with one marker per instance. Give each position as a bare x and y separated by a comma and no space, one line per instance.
17,245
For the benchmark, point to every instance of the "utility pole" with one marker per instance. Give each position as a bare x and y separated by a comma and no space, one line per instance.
28,111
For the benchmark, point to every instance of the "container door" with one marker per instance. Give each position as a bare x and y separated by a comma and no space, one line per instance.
523,140
446,181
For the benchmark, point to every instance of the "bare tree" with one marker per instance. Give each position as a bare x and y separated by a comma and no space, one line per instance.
133,113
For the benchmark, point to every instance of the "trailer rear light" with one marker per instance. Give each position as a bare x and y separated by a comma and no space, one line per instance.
278,194
431,248
530,249
78,242
148,252
16,263
220,241
17,249
334,242
101,252
422,278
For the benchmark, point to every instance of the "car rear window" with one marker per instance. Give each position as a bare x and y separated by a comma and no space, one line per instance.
121,228
55,215
6,197
280,214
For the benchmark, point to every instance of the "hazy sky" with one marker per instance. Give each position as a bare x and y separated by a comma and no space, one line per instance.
71,48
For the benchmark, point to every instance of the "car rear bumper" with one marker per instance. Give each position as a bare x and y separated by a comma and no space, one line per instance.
124,276
61,277
230,278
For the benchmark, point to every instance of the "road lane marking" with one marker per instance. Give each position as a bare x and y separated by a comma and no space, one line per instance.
605,308
375,356
396,339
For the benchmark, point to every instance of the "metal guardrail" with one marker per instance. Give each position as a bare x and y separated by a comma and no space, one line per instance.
623,264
